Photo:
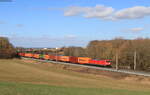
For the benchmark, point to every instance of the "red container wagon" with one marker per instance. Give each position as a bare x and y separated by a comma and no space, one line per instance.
83,60
57,58
64,58
21,54
31,55
28,55
46,57
101,62
51,57
73,59
37,56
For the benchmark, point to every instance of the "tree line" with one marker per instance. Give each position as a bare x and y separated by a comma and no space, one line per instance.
7,50
125,49
101,49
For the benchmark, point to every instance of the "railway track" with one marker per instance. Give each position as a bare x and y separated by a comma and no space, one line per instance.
139,73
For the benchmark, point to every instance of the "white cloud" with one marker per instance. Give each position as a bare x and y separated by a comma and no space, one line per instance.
133,13
137,29
99,11
108,13
72,11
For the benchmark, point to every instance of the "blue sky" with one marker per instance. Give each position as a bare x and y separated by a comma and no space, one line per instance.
56,23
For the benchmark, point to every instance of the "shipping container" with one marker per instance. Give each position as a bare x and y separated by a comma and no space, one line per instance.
26,55
23,54
83,60
73,59
30,55
51,57
56,58
64,58
41,56
37,56
46,57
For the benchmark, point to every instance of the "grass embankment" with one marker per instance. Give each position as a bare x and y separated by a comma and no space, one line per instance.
25,77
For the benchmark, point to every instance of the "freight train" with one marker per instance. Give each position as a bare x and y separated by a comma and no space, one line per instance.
68,59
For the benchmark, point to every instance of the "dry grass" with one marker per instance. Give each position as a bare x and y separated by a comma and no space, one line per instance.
28,71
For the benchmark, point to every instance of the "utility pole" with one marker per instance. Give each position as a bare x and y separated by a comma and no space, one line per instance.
117,67
135,60
56,55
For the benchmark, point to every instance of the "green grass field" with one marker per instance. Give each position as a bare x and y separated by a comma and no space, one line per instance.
34,89
25,77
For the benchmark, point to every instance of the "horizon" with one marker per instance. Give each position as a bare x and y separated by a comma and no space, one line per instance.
41,47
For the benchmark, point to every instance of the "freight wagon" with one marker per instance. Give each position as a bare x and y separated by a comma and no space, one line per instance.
80,60
51,57
41,56
84,60
46,57
73,59
30,55
64,58
37,56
